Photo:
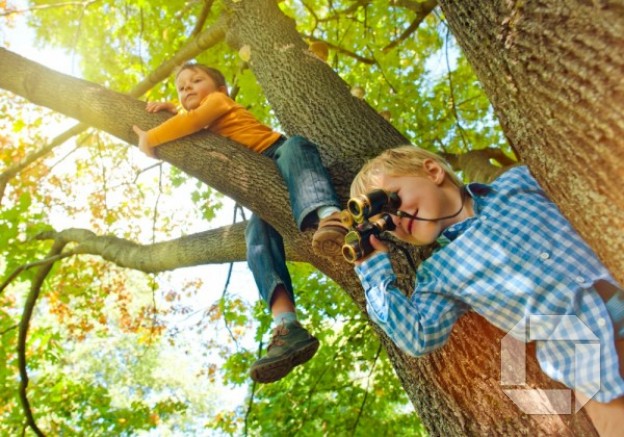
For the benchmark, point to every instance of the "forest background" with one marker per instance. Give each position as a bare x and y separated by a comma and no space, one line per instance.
165,350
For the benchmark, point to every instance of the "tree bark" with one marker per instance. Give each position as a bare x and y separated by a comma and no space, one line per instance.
456,390
553,72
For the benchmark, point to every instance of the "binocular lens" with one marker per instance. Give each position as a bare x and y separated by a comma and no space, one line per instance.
370,204
359,216
350,253
356,207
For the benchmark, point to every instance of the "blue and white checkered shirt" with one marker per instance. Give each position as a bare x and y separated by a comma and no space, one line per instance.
517,259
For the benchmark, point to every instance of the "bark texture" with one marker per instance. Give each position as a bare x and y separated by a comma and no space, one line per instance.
554,71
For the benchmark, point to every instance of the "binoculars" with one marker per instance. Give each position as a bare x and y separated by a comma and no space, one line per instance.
357,217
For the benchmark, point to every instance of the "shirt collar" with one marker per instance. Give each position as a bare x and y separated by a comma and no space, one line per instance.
476,191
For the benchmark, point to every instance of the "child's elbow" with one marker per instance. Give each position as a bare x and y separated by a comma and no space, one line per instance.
416,348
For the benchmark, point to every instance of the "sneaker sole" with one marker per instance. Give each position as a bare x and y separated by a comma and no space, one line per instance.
328,242
276,370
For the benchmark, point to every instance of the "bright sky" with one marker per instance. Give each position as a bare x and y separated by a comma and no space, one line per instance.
20,40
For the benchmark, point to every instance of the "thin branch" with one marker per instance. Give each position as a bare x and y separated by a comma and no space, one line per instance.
43,262
252,397
337,353
227,284
11,171
146,169
235,88
9,329
203,16
338,14
47,6
462,133
31,300
344,51
370,374
422,11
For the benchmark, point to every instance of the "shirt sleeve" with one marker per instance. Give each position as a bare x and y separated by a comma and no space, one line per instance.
418,324
214,106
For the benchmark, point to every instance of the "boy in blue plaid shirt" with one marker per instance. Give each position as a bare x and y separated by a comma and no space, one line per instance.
506,252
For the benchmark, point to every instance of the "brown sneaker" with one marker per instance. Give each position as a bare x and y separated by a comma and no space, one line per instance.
329,237
290,346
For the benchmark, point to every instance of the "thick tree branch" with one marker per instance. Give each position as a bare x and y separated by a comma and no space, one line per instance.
200,42
219,246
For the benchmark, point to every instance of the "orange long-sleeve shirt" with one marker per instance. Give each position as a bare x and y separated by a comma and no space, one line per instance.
222,116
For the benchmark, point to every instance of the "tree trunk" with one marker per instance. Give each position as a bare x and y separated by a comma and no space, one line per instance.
456,390
553,71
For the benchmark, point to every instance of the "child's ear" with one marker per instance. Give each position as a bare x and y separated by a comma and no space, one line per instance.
434,170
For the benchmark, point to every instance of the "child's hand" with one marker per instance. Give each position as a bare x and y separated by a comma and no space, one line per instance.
377,244
161,106
143,144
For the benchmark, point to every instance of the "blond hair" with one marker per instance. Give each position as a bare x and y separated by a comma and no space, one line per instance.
401,161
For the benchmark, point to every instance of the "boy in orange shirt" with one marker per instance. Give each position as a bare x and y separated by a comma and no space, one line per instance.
202,91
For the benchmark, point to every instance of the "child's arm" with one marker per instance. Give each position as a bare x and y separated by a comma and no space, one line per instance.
214,106
143,144
418,324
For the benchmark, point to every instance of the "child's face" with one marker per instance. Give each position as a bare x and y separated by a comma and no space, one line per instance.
430,195
193,86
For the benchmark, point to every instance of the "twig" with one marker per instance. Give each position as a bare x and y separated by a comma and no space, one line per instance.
23,267
10,328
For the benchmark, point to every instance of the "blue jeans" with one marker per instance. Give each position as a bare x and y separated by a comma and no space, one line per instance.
309,187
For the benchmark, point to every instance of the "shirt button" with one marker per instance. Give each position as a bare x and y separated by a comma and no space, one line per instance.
544,255
484,217
601,322
579,279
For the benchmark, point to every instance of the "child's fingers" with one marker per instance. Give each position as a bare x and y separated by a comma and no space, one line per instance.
153,106
160,106
377,244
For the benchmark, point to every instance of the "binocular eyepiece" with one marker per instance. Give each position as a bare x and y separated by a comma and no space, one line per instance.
367,205
359,210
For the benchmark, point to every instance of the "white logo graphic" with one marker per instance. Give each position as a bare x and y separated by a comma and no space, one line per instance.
550,328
